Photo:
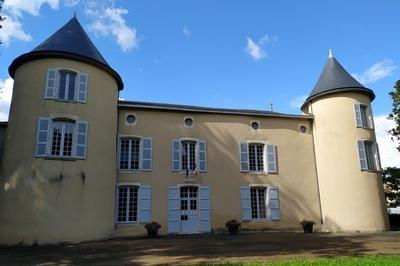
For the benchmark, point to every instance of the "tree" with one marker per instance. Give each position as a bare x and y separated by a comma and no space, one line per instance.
1,17
395,114
391,181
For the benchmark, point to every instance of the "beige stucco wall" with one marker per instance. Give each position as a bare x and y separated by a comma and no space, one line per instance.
296,176
36,205
351,199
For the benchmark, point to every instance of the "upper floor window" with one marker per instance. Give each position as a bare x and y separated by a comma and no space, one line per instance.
368,155
135,153
64,138
189,155
363,115
257,157
66,85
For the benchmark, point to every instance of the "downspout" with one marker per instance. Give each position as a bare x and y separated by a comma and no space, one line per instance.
316,168
116,169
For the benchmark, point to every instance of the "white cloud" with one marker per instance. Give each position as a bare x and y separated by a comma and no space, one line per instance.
32,7
12,29
6,87
186,32
376,72
109,21
16,10
390,156
71,3
298,101
256,49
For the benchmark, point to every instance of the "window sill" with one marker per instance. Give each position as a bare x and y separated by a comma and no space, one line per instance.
127,224
371,170
127,171
368,128
60,158
260,221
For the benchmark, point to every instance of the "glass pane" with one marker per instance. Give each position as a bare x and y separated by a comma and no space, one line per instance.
71,86
61,88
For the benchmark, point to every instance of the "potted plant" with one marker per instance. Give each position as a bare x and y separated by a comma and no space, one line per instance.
233,226
307,226
152,229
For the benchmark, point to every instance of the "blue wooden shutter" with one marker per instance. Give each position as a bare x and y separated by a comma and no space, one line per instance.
173,210
245,200
51,83
176,155
144,204
244,157
81,139
205,211
357,112
43,136
82,87
273,203
370,118
362,155
146,154
271,158
202,155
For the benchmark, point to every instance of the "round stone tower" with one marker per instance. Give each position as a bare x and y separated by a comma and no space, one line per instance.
58,171
347,157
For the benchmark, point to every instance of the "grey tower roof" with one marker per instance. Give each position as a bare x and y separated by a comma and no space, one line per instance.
334,78
72,42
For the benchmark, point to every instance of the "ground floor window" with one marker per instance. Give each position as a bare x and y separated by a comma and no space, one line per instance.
258,210
127,204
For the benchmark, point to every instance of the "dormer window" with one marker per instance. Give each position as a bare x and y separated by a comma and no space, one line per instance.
66,85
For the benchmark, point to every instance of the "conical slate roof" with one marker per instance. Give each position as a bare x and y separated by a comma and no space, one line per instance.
72,42
334,78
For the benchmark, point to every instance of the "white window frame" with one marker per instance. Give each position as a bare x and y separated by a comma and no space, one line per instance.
63,124
68,119
196,152
265,188
374,155
366,112
130,137
76,98
265,163
141,152
135,185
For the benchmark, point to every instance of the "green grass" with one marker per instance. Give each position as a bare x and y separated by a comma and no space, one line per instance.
384,260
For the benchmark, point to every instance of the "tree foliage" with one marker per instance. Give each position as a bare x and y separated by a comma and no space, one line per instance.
1,17
391,181
395,114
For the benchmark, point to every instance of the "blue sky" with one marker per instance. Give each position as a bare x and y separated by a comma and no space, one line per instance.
236,54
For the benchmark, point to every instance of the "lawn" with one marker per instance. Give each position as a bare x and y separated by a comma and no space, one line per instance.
385,260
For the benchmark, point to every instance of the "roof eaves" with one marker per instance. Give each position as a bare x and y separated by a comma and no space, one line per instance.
201,109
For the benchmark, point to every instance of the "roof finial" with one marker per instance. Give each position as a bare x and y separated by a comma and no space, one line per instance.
330,53
75,14
271,106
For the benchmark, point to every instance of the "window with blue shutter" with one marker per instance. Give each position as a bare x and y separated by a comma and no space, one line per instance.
144,204
202,155
81,139
271,158
274,213
51,82
82,87
42,140
205,209
66,85
245,203
244,157
61,138
146,154
176,155
173,210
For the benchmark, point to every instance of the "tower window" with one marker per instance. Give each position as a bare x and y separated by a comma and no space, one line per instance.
363,116
66,88
61,143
